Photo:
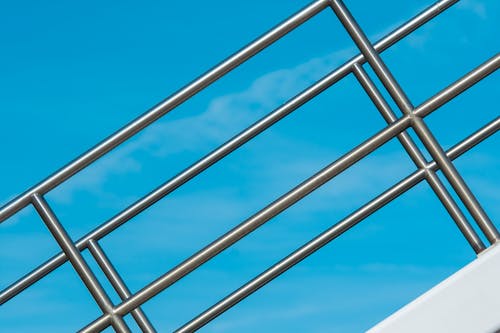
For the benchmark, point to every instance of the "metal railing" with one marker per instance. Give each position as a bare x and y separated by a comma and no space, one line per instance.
413,117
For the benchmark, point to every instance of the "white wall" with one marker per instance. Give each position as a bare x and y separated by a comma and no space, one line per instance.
466,302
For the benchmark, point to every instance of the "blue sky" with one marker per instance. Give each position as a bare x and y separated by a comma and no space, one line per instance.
72,73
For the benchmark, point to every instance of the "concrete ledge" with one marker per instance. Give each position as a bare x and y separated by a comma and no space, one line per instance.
466,302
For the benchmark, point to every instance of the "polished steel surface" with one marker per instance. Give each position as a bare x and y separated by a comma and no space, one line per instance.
413,117
118,284
233,144
419,160
76,259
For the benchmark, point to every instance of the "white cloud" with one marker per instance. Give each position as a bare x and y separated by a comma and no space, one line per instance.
223,209
476,7
196,132
417,40
92,179
239,108
16,218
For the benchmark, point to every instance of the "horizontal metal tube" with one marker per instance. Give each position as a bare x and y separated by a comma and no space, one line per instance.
334,232
164,107
222,151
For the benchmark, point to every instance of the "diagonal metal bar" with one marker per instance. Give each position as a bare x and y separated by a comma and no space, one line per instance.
257,220
456,181
396,127
459,86
333,232
419,160
371,55
225,149
163,108
79,264
118,284
192,263
412,117
439,99
425,135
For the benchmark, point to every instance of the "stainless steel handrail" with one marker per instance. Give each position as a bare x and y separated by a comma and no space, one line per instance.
224,149
335,231
163,108
396,127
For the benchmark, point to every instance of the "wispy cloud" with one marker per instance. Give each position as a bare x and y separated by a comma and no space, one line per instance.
476,7
197,132
418,39
421,37
93,178
236,109
223,209
19,216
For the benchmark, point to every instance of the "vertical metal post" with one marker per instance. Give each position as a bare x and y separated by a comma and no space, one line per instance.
332,233
118,284
421,129
79,264
413,117
255,221
456,181
419,160
330,79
